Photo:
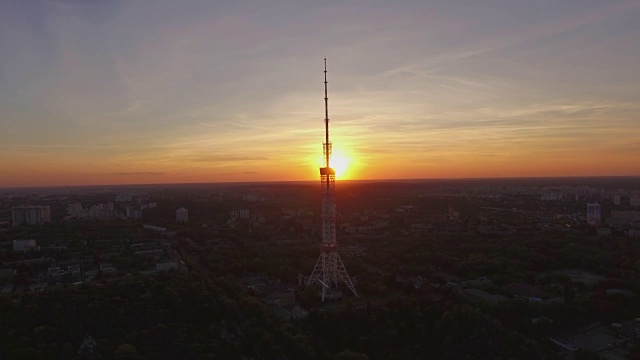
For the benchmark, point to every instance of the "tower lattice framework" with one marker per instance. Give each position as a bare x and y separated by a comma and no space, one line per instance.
329,267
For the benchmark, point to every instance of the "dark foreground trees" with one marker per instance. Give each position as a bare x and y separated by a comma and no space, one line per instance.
167,316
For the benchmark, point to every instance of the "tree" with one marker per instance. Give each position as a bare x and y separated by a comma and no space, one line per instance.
126,351
584,354
350,355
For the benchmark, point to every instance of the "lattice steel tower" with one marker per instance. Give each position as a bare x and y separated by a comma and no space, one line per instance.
329,267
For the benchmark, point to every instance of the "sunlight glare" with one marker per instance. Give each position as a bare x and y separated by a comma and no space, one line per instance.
340,162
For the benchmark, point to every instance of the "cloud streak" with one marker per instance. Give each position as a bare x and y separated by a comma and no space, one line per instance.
138,173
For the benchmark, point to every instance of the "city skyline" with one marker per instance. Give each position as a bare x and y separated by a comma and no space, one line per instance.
114,92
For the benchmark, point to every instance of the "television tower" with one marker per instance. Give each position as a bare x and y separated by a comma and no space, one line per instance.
329,267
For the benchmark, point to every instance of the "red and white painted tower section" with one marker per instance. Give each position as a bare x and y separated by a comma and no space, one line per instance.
329,267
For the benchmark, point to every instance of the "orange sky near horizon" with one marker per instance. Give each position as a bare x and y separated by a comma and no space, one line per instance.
43,172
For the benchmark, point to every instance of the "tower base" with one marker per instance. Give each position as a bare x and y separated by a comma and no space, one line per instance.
328,270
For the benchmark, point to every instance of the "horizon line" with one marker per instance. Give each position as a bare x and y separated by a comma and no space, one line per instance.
313,181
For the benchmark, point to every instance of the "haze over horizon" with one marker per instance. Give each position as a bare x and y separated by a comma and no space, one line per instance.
126,92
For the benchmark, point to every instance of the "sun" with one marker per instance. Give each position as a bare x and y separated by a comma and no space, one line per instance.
340,162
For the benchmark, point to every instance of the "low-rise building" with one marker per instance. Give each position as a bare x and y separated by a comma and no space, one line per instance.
24,245
166,266
107,268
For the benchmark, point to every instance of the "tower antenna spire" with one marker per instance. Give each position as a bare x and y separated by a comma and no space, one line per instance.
329,267
326,114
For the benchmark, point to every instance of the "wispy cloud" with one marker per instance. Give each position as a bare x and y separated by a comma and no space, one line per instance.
138,173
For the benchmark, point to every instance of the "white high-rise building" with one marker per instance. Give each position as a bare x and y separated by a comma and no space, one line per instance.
30,215
182,215
133,212
617,199
593,213
76,210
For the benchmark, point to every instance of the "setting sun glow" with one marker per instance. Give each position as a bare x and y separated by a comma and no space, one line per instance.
341,163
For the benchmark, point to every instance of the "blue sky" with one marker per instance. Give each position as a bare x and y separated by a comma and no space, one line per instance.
100,91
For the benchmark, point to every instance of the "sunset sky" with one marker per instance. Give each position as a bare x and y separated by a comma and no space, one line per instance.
165,91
